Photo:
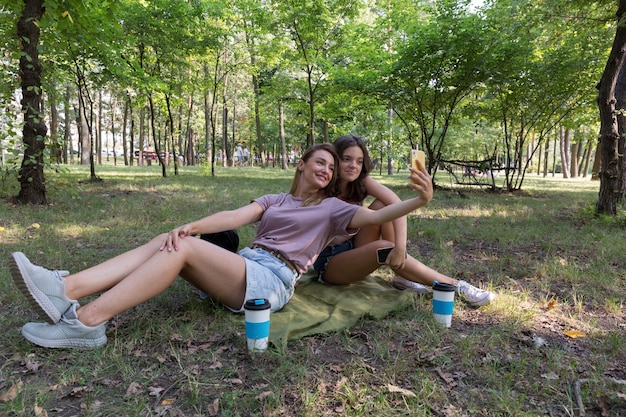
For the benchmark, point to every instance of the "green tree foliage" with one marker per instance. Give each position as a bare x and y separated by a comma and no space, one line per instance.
541,77
466,86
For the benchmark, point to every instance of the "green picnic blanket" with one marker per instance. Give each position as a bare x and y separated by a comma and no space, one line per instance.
321,308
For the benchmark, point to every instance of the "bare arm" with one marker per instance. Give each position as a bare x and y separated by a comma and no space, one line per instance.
387,197
422,183
218,222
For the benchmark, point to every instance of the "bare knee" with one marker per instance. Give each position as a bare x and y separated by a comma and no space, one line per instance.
377,205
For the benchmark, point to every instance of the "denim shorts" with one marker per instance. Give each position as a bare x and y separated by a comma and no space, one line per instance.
267,277
321,263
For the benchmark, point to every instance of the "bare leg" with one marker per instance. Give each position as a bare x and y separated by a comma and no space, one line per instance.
416,271
342,268
373,233
107,274
218,272
365,249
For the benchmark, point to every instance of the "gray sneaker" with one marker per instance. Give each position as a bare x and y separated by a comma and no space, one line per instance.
474,296
45,289
69,332
404,284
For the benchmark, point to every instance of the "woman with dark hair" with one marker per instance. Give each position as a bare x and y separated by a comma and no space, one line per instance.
348,260
293,228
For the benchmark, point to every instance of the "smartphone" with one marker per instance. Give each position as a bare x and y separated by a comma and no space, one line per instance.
382,254
418,156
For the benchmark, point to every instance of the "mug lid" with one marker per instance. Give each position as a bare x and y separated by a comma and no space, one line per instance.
257,304
442,286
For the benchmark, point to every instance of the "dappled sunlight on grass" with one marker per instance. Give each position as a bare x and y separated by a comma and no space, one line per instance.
554,268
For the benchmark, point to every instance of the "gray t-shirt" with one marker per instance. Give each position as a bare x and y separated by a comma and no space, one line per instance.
300,233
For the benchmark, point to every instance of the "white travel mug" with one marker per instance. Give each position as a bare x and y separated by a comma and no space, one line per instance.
443,302
257,312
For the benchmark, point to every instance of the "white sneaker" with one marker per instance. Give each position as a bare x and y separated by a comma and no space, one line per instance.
404,284
45,289
474,296
69,332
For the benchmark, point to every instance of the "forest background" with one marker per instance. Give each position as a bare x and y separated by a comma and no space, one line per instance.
506,89
510,88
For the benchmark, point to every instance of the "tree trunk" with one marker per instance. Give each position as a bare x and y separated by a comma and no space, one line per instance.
56,153
98,138
595,171
281,127
611,172
31,178
124,123
83,130
142,134
564,142
545,156
67,141
260,147
573,162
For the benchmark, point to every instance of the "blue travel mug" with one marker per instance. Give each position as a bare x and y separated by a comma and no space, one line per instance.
443,302
257,312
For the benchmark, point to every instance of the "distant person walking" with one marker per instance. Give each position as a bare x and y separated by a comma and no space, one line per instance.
239,156
246,156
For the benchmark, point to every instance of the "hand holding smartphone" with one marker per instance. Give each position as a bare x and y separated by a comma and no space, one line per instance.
383,254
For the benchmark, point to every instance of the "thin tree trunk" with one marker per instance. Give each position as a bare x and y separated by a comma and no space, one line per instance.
83,131
546,152
98,138
281,123
142,133
573,164
124,135
564,142
113,141
68,146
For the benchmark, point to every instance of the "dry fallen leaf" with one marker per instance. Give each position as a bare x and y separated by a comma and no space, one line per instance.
214,408
12,392
447,377
168,401
133,389
40,411
552,304
155,391
575,334
405,392
264,395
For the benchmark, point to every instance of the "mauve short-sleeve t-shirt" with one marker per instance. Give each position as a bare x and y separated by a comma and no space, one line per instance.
300,233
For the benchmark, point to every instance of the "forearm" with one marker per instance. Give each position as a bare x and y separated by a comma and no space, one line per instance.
218,222
400,232
366,217
421,182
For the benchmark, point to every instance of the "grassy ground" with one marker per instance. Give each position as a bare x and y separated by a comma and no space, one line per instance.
555,268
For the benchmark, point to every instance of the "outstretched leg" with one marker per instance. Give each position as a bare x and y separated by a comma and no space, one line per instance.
131,279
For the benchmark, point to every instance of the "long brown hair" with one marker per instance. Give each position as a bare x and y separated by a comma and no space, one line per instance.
355,190
331,189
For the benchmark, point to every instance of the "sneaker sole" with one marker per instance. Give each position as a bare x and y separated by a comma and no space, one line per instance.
66,343
40,302
403,287
482,303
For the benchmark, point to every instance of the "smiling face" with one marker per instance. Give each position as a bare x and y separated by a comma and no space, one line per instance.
351,164
318,170
317,173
